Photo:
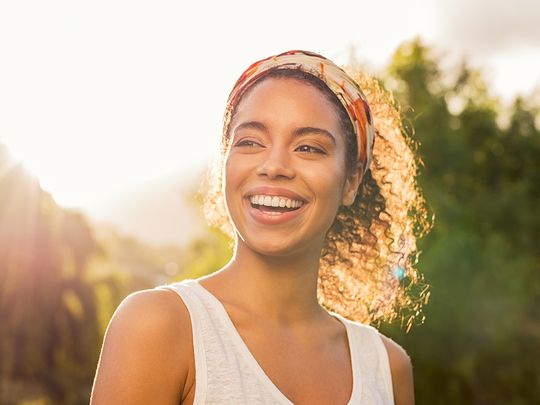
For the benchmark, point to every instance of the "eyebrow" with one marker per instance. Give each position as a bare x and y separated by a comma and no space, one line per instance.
296,133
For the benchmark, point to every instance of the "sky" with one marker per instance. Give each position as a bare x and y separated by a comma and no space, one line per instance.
97,97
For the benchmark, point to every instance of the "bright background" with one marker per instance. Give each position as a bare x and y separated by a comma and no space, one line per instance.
98,97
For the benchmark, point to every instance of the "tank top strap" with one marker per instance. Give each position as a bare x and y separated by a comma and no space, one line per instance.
224,372
197,314
374,364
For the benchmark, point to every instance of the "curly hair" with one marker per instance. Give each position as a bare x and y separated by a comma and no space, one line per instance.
367,267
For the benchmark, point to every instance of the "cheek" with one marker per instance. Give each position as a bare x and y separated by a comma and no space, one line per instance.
235,171
235,167
229,172
327,182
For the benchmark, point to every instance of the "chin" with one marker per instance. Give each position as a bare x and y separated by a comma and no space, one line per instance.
268,247
274,247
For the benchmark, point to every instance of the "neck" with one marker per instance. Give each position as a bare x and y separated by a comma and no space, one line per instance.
281,289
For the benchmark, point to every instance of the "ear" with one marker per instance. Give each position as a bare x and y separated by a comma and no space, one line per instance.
351,185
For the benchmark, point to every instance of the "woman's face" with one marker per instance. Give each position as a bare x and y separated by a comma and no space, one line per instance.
286,149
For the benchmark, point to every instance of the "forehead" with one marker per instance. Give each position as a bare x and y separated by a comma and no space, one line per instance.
280,98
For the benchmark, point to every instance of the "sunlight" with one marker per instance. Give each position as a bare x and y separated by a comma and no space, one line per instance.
91,111
19,210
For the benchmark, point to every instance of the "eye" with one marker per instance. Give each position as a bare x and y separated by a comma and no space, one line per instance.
310,149
247,142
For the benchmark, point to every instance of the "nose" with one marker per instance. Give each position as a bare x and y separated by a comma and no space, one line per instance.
275,163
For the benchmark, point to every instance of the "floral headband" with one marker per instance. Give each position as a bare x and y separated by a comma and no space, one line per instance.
341,84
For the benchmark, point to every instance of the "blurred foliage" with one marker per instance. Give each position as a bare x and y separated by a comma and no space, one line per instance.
61,278
480,341
50,329
207,255
60,281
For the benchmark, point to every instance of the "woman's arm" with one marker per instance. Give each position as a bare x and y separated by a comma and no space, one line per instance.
144,358
402,374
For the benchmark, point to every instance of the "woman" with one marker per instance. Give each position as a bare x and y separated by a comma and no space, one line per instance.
320,215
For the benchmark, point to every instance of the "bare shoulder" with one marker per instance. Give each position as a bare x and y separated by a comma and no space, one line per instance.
157,308
400,361
146,351
402,372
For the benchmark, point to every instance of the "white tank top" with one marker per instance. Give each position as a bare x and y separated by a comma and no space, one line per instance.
227,373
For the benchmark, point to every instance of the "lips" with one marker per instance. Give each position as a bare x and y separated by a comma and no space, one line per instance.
275,191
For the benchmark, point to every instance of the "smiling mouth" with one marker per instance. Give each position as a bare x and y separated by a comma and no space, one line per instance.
266,208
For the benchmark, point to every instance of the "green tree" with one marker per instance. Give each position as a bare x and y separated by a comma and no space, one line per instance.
482,323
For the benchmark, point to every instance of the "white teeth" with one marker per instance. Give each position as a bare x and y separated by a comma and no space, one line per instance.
275,201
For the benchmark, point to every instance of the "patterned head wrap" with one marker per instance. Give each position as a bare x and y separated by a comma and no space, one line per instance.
341,84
